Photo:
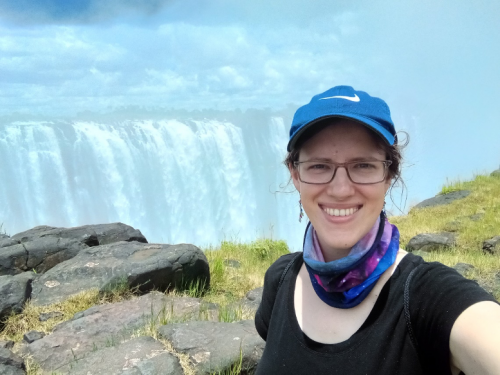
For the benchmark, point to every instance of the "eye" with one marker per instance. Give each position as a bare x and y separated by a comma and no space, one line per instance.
364,165
318,167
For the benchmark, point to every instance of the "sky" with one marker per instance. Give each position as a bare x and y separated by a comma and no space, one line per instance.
436,63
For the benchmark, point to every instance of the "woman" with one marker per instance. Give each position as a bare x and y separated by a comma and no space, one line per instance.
353,302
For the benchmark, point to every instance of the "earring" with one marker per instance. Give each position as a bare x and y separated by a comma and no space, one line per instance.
301,215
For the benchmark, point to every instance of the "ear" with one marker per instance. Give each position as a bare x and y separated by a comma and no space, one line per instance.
295,177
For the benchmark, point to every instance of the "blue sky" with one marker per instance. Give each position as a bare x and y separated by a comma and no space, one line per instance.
435,63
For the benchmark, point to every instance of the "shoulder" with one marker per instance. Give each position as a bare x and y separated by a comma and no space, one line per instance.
275,271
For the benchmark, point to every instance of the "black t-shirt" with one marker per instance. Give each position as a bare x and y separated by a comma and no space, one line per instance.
438,295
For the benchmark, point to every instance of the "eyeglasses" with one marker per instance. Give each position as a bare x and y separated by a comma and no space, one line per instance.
359,172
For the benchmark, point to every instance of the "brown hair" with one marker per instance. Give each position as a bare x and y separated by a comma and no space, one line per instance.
393,152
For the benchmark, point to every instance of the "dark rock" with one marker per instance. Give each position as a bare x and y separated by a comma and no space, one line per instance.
6,344
42,247
255,295
492,246
7,358
14,291
11,370
131,264
138,356
495,173
49,315
33,336
214,347
431,241
463,268
7,241
116,232
233,263
107,325
443,199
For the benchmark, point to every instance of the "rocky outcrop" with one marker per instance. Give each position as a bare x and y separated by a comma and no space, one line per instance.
109,325
11,363
141,356
216,347
43,247
492,246
14,291
431,241
443,199
131,264
495,173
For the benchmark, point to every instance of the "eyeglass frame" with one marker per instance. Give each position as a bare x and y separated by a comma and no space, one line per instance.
386,163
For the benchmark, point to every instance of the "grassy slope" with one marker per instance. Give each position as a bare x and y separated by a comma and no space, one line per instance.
483,200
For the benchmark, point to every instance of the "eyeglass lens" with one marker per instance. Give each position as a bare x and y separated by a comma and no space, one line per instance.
362,172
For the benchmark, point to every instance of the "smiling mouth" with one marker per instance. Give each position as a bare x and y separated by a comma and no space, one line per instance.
341,212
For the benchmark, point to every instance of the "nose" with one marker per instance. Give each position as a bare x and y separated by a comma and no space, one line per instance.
341,186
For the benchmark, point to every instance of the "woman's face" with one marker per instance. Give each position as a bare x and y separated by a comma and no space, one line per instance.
341,142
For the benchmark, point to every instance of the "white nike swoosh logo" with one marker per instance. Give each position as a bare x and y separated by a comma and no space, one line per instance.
354,98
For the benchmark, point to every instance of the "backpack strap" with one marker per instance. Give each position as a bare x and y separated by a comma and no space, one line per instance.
287,268
406,304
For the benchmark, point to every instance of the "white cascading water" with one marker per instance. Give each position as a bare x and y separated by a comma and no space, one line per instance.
177,181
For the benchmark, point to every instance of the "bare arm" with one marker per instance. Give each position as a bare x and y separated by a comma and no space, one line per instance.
475,340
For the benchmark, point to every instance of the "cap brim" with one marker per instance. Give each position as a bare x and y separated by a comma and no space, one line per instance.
383,132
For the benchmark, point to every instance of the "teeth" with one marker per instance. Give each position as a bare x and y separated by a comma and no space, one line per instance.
341,212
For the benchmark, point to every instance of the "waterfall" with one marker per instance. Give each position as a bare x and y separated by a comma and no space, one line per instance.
195,181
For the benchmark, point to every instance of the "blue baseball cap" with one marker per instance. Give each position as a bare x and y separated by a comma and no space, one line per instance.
344,102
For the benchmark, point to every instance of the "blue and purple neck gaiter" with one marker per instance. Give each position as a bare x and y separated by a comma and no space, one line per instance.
345,282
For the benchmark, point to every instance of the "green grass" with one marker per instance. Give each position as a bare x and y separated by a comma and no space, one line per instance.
228,284
483,201
451,186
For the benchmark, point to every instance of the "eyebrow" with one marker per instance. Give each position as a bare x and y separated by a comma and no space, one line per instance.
359,158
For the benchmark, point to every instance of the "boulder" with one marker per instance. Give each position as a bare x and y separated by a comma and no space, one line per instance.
32,336
14,291
108,325
492,246
43,247
116,232
130,264
443,199
495,173
7,241
39,255
431,241
463,268
138,356
10,363
216,347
